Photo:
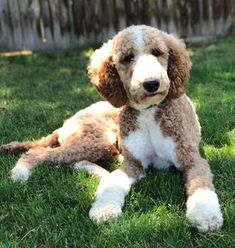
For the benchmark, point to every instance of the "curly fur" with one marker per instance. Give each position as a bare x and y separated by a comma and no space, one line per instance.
106,79
179,66
158,124
90,135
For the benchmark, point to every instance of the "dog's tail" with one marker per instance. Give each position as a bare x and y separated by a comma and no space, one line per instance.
15,147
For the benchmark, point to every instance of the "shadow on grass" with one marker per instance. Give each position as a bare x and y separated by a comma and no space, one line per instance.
40,91
212,87
46,77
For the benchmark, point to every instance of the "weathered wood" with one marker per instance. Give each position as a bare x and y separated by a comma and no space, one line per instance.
53,24
35,19
5,27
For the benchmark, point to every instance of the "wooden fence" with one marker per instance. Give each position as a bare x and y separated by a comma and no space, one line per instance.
52,24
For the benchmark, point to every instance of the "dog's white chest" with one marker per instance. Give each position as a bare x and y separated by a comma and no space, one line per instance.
148,144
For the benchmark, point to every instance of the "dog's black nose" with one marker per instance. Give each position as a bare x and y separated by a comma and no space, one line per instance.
151,86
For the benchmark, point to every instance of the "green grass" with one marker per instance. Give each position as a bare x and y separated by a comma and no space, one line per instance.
38,92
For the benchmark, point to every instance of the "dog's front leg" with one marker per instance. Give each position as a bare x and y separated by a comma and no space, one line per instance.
110,195
203,209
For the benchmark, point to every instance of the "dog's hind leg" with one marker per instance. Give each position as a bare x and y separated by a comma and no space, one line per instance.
41,155
78,147
64,154
92,169
16,147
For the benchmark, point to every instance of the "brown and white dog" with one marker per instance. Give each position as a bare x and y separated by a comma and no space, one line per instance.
146,71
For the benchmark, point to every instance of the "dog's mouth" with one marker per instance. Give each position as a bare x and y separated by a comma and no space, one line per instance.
151,94
148,99
162,93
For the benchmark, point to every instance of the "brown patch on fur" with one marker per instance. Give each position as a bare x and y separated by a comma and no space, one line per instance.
128,124
178,120
108,83
199,176
179,66
128,119
76,148
132,167
89,144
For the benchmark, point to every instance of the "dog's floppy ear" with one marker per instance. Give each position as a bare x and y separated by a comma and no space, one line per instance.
179,66
104,76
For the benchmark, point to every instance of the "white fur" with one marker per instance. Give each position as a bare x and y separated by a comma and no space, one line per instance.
111,136
72,124
91,168
100,55
20,173
110,196
148,144
152,70
137,31
203,210
98,107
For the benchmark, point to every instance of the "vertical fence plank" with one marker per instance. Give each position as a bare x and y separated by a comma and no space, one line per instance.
116,17
63,23
195,19
78,17
27,36
227,16
120,8
46,26
164,15
73,41
173,22
55,27
184,21
217,16
15,22
36,24
6,40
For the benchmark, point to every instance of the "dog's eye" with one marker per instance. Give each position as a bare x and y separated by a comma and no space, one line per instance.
156,52
126,60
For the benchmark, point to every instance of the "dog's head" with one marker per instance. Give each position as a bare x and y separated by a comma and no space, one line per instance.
140,66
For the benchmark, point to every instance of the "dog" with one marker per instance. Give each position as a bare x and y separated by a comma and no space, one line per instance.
89,140
145,71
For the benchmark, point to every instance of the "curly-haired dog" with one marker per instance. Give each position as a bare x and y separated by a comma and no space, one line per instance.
88,137
146,71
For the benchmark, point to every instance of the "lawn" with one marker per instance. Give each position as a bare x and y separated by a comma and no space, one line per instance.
51,210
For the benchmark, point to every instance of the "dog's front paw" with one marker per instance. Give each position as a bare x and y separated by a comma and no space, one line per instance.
20,174
203,210
102,212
